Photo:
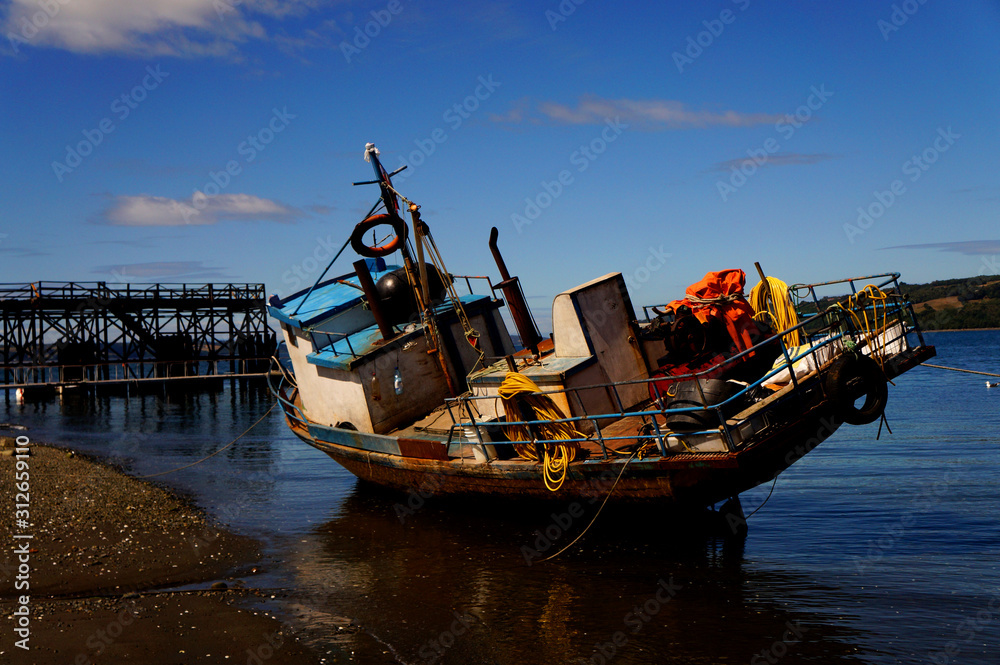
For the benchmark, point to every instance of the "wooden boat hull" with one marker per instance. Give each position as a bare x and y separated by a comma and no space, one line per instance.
798,424
685,478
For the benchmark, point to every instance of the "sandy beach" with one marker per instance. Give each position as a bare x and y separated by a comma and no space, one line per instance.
103,551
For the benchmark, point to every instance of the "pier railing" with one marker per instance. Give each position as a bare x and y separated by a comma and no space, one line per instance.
104,290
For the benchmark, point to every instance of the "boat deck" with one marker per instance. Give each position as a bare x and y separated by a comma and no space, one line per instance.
437,425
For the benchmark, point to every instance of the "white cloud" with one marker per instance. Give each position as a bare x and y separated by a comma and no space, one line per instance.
967,247
127,272
643,113
146,210
187,28
778,159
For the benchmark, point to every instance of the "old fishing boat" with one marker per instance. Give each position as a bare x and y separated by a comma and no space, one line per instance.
408,377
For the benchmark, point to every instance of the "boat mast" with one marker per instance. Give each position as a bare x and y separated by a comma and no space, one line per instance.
416,276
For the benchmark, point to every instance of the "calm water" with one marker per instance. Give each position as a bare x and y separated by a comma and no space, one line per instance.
868,551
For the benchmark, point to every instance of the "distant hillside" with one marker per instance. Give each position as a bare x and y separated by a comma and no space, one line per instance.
972,302
959,304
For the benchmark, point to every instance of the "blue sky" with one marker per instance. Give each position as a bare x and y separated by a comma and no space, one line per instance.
217,140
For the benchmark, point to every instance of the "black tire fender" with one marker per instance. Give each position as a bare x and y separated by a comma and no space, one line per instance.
850,377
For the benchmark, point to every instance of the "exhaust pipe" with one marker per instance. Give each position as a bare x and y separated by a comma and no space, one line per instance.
511,287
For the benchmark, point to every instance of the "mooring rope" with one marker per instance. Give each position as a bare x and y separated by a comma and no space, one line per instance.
186,466
598,513
956,369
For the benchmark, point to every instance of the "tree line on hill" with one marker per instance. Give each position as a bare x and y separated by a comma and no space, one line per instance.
977,298
978,303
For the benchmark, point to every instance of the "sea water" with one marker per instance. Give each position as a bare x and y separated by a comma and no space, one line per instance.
868,551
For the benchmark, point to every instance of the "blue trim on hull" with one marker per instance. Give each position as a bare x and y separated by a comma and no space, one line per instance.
375,443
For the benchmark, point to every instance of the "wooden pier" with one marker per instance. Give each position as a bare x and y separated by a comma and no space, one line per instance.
60,335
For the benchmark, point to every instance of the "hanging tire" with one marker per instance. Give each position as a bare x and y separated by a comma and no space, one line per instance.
371,251
850,377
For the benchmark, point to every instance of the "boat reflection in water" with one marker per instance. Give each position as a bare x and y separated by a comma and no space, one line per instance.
462,585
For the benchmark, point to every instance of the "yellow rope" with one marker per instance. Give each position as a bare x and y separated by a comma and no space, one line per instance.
774,304
872,329
557,457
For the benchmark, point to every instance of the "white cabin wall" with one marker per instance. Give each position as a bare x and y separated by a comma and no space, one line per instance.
567,329
335,396
595,319
328,396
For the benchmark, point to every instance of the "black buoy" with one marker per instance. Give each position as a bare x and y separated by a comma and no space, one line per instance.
396,297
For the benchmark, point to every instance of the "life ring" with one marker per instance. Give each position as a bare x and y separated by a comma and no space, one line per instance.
851,376
358,241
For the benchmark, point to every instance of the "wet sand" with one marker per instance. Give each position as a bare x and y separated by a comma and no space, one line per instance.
103,548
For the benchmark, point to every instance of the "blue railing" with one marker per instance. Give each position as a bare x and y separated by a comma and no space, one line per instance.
832,326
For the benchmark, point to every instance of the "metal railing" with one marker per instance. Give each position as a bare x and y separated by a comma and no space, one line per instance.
333,337
84,290
830,328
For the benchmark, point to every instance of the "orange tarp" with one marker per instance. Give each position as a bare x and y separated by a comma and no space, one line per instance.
735,312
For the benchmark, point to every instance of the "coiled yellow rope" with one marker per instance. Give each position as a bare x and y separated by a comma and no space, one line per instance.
557,457
774,304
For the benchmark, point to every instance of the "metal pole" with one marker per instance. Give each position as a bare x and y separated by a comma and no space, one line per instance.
368,286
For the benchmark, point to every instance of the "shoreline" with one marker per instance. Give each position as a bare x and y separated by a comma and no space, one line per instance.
105,550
